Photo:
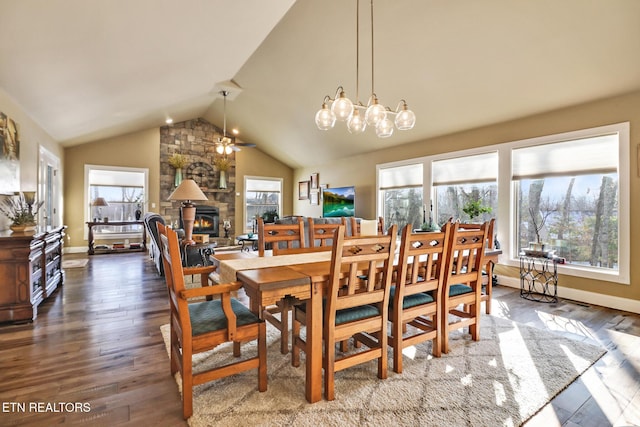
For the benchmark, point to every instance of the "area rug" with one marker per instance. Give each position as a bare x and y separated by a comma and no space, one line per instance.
501,380
75,263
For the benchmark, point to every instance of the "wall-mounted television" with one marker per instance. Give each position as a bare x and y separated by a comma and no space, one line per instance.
339,201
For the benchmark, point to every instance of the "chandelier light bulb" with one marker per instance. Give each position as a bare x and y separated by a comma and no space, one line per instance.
325,119
384,128
375,112
356,123
342,107
405,119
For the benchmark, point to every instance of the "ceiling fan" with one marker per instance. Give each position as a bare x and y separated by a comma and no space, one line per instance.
226,144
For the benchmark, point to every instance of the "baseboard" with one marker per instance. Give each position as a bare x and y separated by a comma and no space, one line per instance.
578,295
74,249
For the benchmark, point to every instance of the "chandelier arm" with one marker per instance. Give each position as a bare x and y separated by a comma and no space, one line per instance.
372,50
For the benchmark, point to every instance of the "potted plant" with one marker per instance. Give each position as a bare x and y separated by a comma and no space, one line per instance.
177,161
270,216
538,245
475,208
223,164
21,210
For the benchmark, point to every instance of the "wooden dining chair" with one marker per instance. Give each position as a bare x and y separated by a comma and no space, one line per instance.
202,325
283,238
462,290
321,235
487,273
415,298
280,236
356,304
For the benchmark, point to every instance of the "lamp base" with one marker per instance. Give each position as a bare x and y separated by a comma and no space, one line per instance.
188,220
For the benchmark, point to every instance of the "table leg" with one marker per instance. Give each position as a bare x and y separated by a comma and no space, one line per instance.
313,388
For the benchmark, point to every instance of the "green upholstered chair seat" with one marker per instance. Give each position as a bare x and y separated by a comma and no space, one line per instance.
207,316
459,290
349,314
411,300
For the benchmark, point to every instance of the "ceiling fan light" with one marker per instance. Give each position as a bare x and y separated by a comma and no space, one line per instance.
384,128
356,123
375,113
228,149
342,107
405,119
325,119
220,149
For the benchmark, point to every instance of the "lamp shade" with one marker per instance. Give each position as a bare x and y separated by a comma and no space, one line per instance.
100,201
187,191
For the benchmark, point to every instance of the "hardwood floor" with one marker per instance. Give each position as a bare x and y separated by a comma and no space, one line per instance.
97,341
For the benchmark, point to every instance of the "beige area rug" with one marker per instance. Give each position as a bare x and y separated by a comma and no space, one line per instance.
75,263
506,377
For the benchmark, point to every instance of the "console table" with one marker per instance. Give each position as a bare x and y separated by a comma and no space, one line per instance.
93,249
538,278
30,271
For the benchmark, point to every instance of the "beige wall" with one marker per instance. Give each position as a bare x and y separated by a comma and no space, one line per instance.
142,150
136,150
360,171
32,137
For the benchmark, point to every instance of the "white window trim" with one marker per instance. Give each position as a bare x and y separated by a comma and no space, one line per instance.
506,229
87,202
244,195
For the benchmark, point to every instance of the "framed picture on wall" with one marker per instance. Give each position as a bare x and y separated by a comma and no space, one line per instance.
314,197
314,181
303,190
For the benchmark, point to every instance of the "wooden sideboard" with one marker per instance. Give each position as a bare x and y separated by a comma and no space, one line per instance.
30,271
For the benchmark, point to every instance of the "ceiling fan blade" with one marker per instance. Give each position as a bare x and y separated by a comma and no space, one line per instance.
235,148
245,144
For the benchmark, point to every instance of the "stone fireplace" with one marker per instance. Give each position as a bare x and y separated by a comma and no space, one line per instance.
195,140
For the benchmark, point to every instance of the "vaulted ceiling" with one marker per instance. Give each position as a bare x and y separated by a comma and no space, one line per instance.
91,69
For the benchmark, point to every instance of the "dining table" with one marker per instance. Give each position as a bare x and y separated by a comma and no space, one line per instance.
303,275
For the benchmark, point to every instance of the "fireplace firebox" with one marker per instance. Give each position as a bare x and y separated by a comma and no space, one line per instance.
207,221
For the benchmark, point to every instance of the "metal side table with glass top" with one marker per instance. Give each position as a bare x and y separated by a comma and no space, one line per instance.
539,277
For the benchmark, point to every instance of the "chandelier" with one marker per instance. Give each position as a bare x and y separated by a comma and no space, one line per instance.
357,115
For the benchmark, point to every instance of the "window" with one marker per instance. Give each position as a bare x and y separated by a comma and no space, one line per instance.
466,188
572,187
400,190
262,195
123,190
566,195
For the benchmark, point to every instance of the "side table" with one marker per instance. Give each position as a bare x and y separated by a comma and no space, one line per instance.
538,278
245,240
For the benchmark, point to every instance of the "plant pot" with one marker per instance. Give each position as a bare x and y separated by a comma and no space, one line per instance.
22,228
537,246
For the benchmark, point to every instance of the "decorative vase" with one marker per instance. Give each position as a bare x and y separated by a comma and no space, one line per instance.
178,178
138,214
23,228
223,180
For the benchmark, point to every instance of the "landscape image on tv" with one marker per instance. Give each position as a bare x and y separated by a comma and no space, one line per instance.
338,202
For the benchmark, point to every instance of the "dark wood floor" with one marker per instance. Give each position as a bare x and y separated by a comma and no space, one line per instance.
97,341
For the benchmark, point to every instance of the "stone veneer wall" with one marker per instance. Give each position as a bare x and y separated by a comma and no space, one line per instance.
195,139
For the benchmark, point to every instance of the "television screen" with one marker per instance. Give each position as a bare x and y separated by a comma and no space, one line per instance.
338,202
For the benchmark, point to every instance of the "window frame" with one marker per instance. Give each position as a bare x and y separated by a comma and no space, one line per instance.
87,202
507,202
244,197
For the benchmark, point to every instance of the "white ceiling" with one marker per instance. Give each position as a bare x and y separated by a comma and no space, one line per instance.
89,69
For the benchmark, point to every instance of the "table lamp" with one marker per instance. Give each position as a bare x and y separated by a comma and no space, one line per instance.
186,192
100,202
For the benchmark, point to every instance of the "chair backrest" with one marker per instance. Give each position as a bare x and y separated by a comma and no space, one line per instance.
490,230
150,219
422,262
174,276
466,256
280,236
361,269
321,235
